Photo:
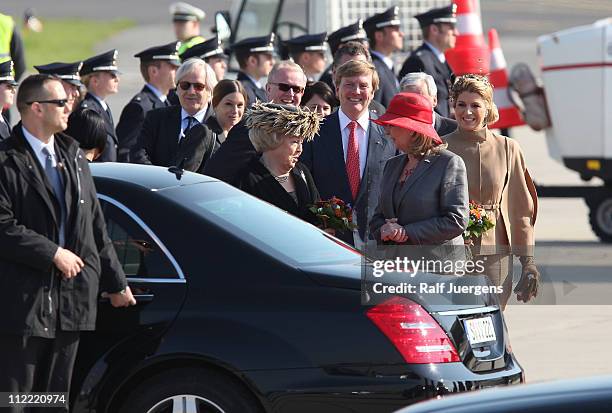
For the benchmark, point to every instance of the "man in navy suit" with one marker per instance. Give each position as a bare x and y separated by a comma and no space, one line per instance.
439,34
347,158
385,38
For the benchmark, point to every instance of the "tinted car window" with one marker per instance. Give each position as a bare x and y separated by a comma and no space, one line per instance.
139,254
263,225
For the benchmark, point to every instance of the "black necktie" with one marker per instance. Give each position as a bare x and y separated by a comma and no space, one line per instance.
110,115
191,122
55,180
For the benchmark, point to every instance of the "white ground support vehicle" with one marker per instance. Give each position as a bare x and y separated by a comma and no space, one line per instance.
577,84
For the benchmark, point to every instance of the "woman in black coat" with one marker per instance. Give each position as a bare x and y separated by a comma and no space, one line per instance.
277,132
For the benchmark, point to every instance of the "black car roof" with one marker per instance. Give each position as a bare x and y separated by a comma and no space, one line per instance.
147,176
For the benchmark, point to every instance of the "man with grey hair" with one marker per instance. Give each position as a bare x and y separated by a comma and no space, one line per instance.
176,135
286,84
424,84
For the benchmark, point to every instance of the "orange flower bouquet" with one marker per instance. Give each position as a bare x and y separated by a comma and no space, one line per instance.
334,214
479,223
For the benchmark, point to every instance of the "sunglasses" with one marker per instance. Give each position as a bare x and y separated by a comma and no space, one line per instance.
284,87
198,87
59,102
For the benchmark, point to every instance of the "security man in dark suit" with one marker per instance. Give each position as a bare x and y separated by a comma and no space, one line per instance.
351,33
158,66
385,37
55,254
439,28
68,73
101,77
212,52
308,51
255,58
7,95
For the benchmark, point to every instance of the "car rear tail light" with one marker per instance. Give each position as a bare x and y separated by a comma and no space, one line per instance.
415,334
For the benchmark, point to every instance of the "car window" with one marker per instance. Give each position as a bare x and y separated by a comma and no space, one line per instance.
267,227
139,254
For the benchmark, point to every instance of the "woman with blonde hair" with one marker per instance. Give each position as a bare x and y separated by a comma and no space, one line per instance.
423,199
498,180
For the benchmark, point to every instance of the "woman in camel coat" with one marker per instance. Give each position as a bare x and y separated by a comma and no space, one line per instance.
498,180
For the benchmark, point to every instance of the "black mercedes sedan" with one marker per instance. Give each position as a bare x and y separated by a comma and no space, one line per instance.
244,308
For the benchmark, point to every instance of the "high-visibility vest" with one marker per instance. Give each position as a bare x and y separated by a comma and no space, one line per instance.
191,42
6,34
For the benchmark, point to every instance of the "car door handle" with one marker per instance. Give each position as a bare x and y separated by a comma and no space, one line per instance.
140,298
144,297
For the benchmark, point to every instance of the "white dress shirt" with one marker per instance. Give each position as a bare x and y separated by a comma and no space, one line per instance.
184,121
100,101
362,136
157,93
439,54
37,146
388,61
253,80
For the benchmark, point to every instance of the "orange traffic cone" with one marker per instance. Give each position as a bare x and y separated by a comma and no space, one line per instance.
470,54
509,114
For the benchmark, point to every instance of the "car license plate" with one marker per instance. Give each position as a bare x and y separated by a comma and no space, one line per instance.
480,330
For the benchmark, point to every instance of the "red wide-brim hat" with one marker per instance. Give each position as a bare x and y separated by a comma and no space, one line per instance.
410,111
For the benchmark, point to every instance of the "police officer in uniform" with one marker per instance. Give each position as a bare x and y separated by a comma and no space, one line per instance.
7,95
68,73
385,37
158,66
11,48
11,45
212,52
439,28
352,32
101,78
308,51
256,59
186,20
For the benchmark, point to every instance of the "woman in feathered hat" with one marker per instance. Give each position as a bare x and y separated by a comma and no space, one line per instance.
277,132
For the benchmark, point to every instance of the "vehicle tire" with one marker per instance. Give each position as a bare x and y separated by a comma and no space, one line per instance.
190,390
600,217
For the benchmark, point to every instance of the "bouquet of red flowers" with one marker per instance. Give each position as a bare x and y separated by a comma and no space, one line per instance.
479,223
334,213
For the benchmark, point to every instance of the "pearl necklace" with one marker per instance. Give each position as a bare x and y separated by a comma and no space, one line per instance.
281,179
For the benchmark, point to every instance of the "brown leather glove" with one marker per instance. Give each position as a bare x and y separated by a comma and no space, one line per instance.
527,287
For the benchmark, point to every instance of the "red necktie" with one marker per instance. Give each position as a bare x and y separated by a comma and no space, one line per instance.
352,160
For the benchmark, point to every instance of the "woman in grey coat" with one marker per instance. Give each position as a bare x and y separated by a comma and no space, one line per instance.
424,194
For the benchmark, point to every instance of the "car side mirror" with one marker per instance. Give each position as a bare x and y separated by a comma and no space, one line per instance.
222,26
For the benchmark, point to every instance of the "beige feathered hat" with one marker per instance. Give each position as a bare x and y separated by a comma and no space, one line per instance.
284,119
